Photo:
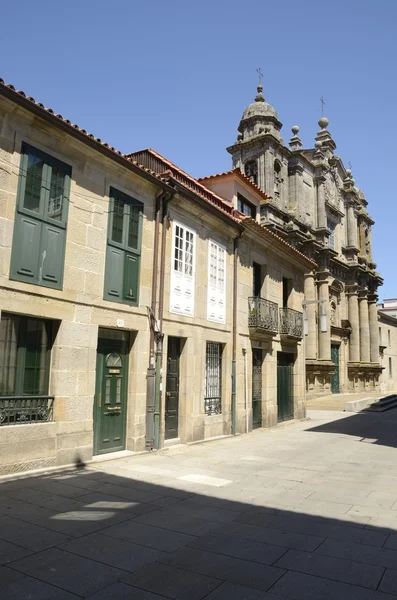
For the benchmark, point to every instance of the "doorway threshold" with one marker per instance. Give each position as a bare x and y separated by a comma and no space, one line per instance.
115,455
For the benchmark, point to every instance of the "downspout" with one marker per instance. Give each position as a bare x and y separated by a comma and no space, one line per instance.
151,372
234,338
159,332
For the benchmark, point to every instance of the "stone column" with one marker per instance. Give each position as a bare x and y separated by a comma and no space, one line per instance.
321,213
310,309
351,226
364,326
354,346
373,329
324,337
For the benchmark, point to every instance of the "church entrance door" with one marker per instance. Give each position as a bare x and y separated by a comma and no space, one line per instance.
335,376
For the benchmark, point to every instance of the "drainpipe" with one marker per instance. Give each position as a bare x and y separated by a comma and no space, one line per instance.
151,372
234,338
159,332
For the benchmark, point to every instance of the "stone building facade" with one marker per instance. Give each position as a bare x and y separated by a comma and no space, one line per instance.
315,205
388,351
137,306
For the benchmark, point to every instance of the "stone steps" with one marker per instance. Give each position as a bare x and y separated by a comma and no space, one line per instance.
382,404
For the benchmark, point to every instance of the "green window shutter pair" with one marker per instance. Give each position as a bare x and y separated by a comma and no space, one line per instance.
39,240
124,249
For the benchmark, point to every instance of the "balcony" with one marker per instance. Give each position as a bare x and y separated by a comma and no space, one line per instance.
291,323
262,315
19,410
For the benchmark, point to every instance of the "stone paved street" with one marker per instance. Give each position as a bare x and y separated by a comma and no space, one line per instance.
305,511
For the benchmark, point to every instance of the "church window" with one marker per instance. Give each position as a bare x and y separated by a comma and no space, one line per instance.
245,207
277,177
331,228
388,338
390,368
251,171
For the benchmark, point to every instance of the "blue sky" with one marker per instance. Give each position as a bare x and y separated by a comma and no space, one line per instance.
177,75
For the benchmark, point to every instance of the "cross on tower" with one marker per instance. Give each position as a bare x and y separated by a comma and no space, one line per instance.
260,75
322,105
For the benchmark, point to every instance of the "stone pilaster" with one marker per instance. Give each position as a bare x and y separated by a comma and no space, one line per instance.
354,346
321,213
310,309
351,226
364,326
373,329
324,337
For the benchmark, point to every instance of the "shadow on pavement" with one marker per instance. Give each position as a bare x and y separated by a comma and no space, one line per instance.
90,534
372,428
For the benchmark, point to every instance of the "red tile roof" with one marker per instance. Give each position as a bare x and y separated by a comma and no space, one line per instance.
239,174
181,176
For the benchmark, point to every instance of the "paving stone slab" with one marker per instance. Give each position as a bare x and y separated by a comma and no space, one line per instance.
230,591
339,569
73,573
235,570
114,552
372,555
389,581
335,529
13,529
251,550
167,519
122,591
270,535
145,535
10,552
299,586
173,583
15,586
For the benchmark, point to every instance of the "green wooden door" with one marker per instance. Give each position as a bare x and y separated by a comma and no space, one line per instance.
110,406
335,376
172,389
285,397
256,388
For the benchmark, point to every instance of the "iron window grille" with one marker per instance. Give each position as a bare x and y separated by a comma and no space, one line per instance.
213,379
19,410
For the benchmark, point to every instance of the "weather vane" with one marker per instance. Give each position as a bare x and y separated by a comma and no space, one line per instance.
260,75
322,105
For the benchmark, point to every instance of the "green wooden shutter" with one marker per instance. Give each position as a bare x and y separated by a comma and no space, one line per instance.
114,274
51,258
25,249
131,278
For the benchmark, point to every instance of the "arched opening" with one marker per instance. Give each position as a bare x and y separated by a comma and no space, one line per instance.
277,178
251,171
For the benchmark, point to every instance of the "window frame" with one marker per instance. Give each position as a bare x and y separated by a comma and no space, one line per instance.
129,253
49,163
30,269
21,352
216,283
183,285
242,203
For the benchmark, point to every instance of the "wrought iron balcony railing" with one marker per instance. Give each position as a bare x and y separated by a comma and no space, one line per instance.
291,322
263,314
18,410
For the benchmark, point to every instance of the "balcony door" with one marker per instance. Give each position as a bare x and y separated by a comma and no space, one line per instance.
285,387
257,280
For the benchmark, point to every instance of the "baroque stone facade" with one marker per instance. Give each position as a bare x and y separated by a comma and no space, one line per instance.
316,206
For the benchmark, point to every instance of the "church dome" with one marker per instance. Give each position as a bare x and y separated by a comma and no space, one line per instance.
259,108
